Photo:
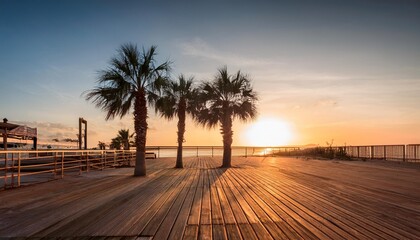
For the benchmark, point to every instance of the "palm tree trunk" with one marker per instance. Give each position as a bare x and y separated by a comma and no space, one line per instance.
140,126
227,141
181,131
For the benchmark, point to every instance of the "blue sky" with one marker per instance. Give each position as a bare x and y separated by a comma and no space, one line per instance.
343,70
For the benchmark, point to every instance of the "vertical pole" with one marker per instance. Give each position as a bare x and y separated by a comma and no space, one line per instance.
87,162
358,152
80,133
212,152
115,158
85,122
404,153
62,165
158,152
415,152
246,152
372,153
5,167
384,152
18,169
55,165
197,151
35,143
13,170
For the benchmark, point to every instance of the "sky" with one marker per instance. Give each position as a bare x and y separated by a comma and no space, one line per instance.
341,71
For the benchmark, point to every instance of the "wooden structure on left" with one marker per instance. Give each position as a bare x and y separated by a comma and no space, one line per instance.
82,136
10,130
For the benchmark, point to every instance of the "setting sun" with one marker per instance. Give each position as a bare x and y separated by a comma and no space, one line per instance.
269,132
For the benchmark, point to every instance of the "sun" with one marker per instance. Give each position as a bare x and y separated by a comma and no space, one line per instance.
269,132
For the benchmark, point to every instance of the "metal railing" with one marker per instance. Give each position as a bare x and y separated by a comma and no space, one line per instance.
19,168
409,153
27,167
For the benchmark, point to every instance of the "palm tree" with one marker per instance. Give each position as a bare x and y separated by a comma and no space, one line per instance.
132,80
125,138
116,143
221,101
177,101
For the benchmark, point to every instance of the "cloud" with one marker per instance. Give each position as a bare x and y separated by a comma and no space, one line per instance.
50,130
326,103
197,47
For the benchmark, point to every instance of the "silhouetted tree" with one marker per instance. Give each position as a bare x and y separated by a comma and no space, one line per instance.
131,80
125,138
177,100
221,101
101,145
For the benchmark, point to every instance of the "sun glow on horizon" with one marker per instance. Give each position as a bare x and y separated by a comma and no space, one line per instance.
269,132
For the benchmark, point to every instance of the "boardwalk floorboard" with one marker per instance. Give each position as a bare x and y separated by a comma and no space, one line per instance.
258,198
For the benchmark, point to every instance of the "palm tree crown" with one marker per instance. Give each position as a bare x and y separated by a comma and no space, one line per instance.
132,79
225,98
177,100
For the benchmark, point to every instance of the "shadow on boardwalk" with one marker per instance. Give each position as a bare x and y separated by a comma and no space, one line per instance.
264,198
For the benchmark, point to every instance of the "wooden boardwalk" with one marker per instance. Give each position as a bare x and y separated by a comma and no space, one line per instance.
259,198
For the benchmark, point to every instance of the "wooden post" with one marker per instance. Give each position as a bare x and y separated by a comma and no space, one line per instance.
246,152
415,152
158,152
197,151
18,169
212,155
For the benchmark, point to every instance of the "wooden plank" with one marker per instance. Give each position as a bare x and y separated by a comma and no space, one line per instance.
219,232
191,232
205,232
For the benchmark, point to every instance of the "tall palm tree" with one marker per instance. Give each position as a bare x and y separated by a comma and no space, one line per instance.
177,100
132,80
221,101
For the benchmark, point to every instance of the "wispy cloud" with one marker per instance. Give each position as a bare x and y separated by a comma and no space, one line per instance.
197,47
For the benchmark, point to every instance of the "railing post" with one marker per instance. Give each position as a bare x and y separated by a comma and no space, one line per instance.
115,158
62,165
358,152
246,152
87,162
158,152
5,169
404,153
384,152
212,155
103,158
55,165
197,151
13,171
415,152
19,169
372,152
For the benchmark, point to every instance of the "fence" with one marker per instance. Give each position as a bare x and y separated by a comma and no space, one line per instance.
409,153
27,167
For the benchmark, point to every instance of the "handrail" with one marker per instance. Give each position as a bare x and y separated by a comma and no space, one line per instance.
16,166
